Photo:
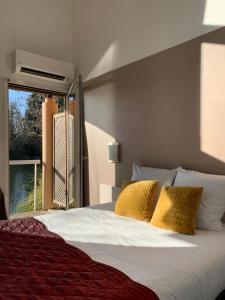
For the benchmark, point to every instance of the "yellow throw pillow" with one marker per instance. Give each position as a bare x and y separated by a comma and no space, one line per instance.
177,208
136,199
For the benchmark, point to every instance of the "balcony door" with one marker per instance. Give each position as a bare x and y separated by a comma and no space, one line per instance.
21,148
25,148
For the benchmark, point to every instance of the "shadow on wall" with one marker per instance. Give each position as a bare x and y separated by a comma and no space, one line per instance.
166,110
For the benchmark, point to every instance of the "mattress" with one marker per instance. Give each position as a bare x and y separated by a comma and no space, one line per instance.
175,266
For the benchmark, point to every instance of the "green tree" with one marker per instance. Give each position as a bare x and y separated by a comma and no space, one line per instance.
16,131
26,130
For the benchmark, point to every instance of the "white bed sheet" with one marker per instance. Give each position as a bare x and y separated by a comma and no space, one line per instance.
175,266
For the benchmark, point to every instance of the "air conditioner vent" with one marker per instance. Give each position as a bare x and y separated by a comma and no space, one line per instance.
36,67
42,74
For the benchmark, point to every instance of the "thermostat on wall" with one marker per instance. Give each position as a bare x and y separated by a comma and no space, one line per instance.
113,152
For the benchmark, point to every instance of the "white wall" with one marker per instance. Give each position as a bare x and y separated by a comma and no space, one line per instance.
40,26
110,34
101,35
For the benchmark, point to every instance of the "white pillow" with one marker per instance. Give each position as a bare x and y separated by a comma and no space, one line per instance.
164,176
212,205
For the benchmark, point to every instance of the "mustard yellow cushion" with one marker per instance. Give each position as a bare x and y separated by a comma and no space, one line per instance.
177,208
136,199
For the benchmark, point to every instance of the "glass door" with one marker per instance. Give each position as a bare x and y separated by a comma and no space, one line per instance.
74,105
30,122
68,158
45,149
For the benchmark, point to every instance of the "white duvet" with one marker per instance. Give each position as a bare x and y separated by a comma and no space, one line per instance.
175,266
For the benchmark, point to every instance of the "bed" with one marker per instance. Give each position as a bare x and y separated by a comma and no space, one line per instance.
37,264
173,265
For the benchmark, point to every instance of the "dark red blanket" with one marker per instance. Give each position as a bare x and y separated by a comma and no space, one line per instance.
37,264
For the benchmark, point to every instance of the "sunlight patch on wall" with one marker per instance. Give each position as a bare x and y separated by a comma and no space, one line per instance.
212,100
106,62
214,13
100,170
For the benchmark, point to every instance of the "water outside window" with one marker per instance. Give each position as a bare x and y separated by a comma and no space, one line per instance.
25,149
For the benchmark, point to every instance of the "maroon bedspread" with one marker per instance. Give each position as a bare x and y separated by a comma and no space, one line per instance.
37,264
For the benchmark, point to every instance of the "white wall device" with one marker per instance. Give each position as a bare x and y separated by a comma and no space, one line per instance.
44,68
113,152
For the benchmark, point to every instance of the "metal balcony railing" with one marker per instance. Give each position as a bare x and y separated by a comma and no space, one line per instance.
34,162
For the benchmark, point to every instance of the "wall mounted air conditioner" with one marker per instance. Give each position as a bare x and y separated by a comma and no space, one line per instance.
45,68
